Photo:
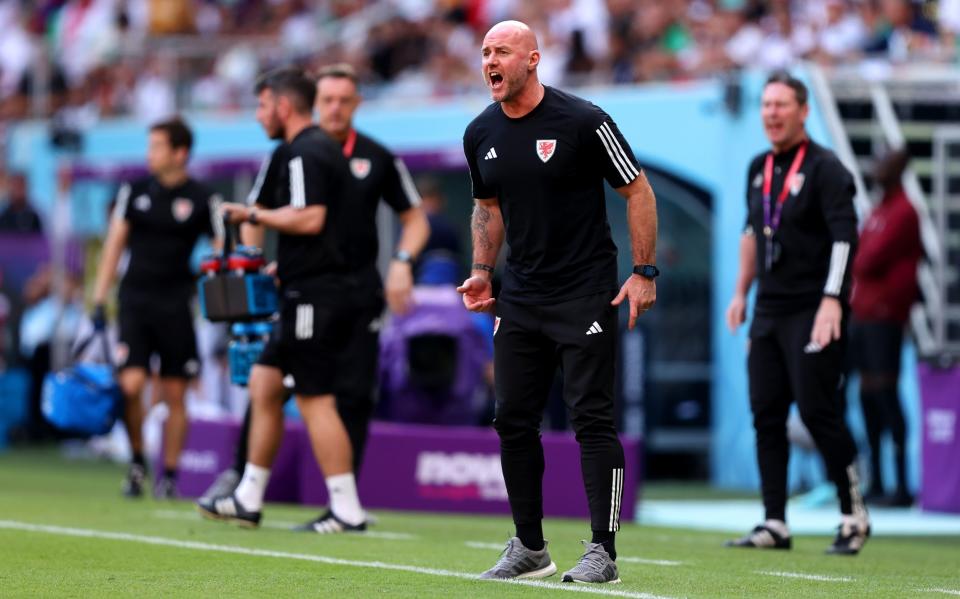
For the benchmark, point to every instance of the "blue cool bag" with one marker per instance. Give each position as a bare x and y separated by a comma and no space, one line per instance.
83,398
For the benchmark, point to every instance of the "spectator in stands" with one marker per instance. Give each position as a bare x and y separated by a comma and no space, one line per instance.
884,290
842,33
907,32
18,216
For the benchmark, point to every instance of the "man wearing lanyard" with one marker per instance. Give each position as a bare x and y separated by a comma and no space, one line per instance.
798,243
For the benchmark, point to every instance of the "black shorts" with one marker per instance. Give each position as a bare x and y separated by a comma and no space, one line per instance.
313,332
160,327
579,336
875,346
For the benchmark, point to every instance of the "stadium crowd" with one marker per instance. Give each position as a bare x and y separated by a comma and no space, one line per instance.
146,58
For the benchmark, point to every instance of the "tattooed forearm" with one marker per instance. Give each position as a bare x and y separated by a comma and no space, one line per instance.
487,225
481,221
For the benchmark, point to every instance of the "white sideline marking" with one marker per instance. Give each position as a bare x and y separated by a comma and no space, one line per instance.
162,541
651,562
807,576
282,525
481,545
944,591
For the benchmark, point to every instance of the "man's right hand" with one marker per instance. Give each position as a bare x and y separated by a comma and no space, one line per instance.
736,312
99,318
477,294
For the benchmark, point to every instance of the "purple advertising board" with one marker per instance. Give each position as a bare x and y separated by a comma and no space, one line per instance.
940,400
409,467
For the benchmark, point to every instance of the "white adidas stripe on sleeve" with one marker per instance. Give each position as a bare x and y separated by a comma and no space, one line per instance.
123,198
618,157
298,192
838,267
413,196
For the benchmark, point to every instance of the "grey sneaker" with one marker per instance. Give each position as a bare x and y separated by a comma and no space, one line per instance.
517,561
134,481
594,566
225,484
165,489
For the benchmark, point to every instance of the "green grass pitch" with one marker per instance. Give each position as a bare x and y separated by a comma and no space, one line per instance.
66,532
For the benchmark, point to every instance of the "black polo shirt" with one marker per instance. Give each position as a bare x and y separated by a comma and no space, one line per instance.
817,235
547,170
308,171
378,175
165,224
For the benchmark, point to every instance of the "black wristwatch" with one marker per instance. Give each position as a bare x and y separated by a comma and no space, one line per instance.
403,256
252,217
647,271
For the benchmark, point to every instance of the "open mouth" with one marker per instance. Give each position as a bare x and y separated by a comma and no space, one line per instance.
496,80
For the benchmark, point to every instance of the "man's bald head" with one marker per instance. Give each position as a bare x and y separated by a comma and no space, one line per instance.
510,59
516,32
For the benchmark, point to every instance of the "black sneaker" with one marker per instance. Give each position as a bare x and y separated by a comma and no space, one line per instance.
133,483
166,488
228,509
850,539
762,537
328,524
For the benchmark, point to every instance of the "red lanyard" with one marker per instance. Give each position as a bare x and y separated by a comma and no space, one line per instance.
772,222
350,143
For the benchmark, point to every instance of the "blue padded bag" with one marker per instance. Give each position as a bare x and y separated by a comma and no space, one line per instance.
83,398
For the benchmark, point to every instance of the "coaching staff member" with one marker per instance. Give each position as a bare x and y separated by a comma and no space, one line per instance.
798,244
379,176
538,158
308,211
158,220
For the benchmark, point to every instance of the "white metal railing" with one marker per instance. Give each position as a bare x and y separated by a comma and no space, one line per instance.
925,318
945,138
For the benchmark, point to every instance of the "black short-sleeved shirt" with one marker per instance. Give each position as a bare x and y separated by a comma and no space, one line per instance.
310,170
817,234
547,169
377,175
165,224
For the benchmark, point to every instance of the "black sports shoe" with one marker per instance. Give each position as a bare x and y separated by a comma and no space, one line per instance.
762,537
166,488
594,566
133,483
850,539
227,508
328,524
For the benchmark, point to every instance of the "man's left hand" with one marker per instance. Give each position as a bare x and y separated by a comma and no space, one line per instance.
826,324
399,286
642,294
235,213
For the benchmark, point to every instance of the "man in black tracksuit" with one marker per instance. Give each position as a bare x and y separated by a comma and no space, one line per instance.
799,242
538,159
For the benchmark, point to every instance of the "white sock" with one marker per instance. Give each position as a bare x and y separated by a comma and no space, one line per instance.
778,526
252,487
344,502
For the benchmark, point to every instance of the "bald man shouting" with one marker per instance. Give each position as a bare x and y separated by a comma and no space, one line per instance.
538,158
